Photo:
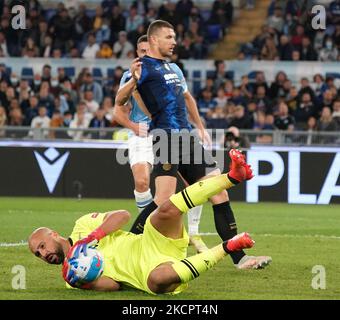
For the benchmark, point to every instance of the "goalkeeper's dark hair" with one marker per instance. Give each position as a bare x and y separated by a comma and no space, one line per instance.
143,38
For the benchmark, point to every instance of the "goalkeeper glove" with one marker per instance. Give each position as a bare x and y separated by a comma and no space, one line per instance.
91,240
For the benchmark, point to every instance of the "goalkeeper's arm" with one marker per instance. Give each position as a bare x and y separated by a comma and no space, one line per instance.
104,283
112,222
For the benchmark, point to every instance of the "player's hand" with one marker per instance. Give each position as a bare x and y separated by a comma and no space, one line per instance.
83,244
205,138
69,272
136,69
140,129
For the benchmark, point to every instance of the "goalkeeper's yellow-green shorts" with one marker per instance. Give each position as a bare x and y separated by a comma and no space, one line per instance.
157,249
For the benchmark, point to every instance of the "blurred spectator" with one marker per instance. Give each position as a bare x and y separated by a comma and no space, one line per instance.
240,119
82,22
329,52
220,99
307,52
326,121
40,121
285,48
3,120
92,105
99,121
305,109
31,111
262,101
336,112
56,122
122,47
98,19
234,140
92,47
105,51
222,13
284,121
103,34
269,51
215,118
80,122
3,45
206,103
90,85
311,128
134,20
276,20
277,88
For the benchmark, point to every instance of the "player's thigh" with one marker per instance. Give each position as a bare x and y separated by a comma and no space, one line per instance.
140,150
168,221
141,175
196,163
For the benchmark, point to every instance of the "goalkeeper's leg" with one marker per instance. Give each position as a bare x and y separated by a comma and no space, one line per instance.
167,219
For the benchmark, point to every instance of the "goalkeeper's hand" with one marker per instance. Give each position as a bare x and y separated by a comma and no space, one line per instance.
70,276
91,240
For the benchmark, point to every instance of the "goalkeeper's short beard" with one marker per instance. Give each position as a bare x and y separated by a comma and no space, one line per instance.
60,254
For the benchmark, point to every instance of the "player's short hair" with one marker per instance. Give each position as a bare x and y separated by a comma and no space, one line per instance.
143,38
156,25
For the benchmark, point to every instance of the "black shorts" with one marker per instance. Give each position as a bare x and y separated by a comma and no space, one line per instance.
184,154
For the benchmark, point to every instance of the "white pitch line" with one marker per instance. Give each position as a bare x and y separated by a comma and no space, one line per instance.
15,244
24,243
281,235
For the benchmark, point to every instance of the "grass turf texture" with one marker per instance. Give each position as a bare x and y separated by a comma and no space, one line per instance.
298,237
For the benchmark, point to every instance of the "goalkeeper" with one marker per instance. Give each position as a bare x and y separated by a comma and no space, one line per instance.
155,261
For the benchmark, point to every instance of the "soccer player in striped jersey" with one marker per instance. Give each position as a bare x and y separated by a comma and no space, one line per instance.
141,153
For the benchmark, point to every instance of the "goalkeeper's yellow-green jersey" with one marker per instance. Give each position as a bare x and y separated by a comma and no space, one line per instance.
129,258
119,249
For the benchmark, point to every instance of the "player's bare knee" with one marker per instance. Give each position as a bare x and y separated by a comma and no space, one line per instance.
168,210
158,282
142,184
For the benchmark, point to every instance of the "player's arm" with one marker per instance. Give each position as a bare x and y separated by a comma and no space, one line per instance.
191,105
112,222
125,91
104,283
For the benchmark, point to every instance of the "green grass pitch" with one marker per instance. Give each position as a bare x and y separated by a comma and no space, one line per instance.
298,237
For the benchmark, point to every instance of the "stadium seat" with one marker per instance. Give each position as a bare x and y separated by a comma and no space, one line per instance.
214,32
335,75
196,83
252,75
27,73
110,73
8,71
70,72
210,73
230,75
97,75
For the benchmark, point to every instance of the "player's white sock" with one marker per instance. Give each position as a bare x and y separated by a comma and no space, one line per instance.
194,217
143,199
